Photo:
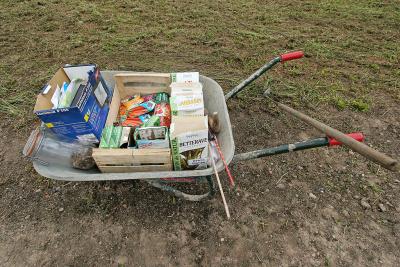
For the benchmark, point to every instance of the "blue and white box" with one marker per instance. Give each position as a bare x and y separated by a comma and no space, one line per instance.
84,119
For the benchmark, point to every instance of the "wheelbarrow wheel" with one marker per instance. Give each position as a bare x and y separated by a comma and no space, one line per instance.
178,193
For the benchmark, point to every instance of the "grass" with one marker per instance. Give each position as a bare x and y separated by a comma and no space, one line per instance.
352,51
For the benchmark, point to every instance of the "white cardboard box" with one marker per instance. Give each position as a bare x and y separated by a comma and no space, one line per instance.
187,99
189,142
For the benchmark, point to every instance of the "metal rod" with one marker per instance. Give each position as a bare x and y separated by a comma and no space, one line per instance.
161,185
364,150
252,77
312,143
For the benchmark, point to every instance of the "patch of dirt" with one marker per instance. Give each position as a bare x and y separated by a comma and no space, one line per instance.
274,219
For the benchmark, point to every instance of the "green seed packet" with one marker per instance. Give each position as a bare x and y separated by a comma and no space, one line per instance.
115,137
105,136
153,121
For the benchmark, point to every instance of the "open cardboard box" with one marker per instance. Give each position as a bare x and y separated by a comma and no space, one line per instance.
85,118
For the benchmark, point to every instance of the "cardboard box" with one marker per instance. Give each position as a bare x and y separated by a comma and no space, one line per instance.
187,99
84,119
189,142
187,77
152,137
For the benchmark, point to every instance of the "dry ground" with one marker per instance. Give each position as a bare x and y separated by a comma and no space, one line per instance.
350,78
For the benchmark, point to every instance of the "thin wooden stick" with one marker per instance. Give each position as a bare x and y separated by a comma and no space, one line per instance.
231,180
219,183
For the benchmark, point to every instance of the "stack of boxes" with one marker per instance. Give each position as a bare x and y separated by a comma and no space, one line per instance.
189,126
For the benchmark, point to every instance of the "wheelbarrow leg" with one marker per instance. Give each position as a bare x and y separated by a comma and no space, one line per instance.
163,186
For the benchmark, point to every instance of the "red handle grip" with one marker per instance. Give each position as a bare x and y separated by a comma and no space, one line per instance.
357,136
291,56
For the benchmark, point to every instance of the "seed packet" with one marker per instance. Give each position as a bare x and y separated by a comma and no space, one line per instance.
131,103
123,142
122,113
151,97
105,136
187,99
68,95
163,111
143,108
152,133
110,137
161,97
115,137
153,121
136,121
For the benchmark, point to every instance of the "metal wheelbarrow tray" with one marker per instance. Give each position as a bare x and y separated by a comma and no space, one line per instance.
214,101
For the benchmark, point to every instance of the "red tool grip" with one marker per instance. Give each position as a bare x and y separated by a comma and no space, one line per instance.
291,56
357,136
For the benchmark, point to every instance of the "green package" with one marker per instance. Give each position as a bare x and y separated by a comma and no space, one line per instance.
115,137
153,121
105,136
161,97
68,96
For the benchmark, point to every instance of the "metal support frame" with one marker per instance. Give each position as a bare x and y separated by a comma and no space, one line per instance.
312,143
163,185
252,77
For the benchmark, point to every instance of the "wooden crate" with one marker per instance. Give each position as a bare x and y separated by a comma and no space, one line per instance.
132,160
142,83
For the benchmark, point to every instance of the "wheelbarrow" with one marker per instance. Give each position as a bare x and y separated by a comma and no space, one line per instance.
214,100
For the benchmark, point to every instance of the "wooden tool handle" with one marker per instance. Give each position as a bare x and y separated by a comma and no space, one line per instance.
228,215
361,148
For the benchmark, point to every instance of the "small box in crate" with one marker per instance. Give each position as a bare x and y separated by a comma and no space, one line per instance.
152,137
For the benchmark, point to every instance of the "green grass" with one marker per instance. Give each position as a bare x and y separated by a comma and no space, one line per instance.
352,50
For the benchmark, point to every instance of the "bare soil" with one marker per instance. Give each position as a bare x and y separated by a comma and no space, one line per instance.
321,207
274,219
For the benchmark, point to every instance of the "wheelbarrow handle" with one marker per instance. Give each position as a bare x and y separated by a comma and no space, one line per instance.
357,136
282,58
292,56
361,148
302,145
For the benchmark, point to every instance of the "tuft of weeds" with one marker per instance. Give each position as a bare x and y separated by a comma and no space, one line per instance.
360,105
340,103
375,188
15,103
